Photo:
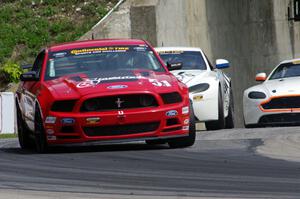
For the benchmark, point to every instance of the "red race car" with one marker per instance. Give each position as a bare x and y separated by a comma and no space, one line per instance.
102,91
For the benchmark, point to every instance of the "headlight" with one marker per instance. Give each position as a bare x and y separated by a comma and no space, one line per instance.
257,95
198,88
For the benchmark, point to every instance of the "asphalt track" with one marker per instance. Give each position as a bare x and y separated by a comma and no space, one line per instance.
222,164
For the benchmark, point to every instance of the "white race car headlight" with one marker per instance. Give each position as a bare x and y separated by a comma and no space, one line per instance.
199,88
257,95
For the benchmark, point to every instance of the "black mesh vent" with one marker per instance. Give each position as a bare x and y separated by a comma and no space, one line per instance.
63,106
171,98
67,129
119,102
172,121
283,103
282,118
121,129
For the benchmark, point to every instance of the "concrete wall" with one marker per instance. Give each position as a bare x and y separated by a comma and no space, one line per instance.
254,35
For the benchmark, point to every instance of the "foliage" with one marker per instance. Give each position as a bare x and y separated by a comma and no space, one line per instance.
11,71
29,25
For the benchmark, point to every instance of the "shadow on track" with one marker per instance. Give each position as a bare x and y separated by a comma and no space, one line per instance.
88,149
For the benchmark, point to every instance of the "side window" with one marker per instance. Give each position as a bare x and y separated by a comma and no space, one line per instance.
38,63
210,65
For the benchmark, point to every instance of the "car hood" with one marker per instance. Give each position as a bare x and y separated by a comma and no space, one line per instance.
75,86
187,76
286,86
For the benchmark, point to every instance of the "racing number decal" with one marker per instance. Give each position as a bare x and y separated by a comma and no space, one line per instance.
164,83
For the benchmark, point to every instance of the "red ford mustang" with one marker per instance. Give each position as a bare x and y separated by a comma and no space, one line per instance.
102,91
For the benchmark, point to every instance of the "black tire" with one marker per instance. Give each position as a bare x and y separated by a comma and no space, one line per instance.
156,142
248,126
41,145
188,140
23,132
229,121
220,123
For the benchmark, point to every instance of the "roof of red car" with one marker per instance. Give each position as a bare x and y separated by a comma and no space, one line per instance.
94,43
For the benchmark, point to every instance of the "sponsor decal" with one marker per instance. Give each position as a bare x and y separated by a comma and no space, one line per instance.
50,131
185,110
140,48
50,120
51,137
110,49
171,113
93,120
68,121
185,128
171,52
117,87
96,81
198,98
186,121
59,54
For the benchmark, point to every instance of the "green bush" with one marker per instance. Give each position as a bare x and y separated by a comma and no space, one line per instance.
26,27
12,71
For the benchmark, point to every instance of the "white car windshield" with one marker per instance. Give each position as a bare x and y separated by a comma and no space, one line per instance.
191,60
285,71
94,61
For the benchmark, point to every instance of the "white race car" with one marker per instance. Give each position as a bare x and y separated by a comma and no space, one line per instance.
277,100
209,88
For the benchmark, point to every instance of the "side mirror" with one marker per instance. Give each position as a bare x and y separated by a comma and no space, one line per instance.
260,77
29,76
26,66
222,63
174,66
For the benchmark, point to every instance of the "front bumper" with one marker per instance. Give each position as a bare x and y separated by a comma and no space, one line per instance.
254,114
118,125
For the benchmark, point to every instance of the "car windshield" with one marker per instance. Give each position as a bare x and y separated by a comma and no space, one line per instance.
190,60
97,61
285,71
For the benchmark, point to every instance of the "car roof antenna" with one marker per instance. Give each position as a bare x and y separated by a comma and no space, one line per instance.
93,36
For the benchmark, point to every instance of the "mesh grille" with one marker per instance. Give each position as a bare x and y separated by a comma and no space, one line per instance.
119,102
283,118
121,129
171,98
63,106
283,103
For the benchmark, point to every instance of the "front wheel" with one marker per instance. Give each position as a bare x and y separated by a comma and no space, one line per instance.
229,121
23,132
41,145
188,140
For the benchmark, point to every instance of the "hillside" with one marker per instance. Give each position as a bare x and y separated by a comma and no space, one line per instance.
28,25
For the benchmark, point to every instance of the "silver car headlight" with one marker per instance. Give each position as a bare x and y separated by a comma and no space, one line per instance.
257,95
199,88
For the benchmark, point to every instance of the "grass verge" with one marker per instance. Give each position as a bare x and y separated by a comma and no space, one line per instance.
6,136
